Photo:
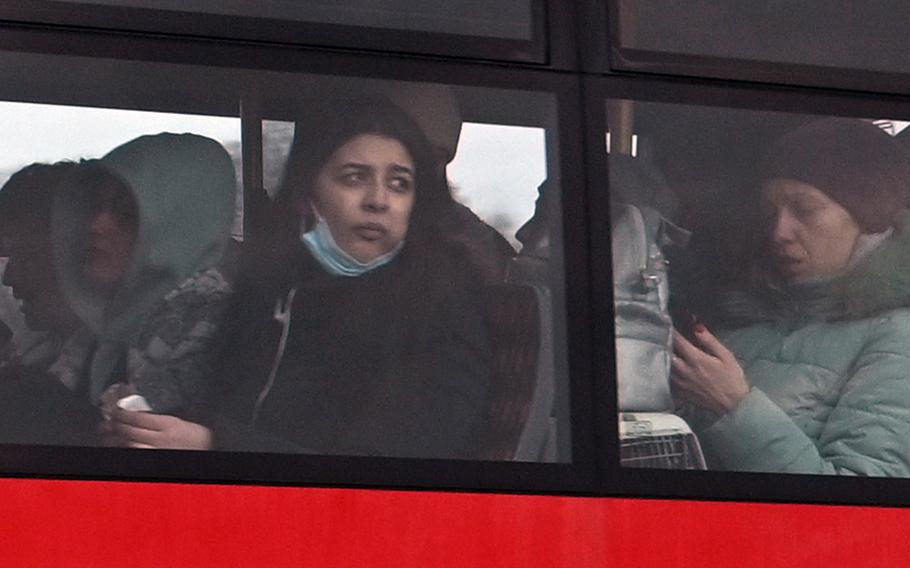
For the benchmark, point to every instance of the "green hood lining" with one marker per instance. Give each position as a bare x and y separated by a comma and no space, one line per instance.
878,283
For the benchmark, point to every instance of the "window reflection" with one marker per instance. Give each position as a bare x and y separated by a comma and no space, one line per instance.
771,338
375,303
511,20
832,33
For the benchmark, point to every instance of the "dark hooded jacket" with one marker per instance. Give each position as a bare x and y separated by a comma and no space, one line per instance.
394,362
157,332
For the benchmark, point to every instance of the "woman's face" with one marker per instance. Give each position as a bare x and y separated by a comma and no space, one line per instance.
811,235
365,193
110,236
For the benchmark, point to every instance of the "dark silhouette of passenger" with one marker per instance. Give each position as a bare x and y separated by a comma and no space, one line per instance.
25,240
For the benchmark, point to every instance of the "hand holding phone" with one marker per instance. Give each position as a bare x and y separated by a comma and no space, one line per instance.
685,321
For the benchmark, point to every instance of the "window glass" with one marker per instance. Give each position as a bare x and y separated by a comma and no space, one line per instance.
377,304
50,133
277,136
842,34
760,305
503,199
509,20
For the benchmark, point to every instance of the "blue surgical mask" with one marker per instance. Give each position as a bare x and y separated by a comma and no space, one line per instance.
321,244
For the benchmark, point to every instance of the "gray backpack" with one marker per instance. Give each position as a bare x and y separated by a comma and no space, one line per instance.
641,294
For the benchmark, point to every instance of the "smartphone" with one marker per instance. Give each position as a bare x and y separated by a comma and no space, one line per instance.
685,321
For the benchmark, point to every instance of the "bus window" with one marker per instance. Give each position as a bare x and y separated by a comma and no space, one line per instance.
836,35
752,252
50,133
504,197
492,198
46,133
377,304
277,136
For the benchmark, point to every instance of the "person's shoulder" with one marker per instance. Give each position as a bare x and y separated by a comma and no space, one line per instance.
208,283
888,331
476,243
894,320
202,297
454,266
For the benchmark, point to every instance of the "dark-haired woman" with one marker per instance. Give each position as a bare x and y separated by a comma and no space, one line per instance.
360,333
807,366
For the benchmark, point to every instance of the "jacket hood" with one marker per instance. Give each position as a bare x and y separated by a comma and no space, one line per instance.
877,283
184,189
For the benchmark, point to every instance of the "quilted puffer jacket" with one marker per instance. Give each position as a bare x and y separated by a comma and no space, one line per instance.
829,366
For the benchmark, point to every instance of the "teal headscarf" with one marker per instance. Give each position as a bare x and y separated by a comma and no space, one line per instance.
184,189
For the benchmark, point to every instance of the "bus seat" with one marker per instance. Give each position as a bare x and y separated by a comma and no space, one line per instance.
538,441
510,428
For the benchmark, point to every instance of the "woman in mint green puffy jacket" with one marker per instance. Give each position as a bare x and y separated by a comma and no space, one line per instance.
807,366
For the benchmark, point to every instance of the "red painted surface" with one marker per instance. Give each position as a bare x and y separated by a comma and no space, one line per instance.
65,523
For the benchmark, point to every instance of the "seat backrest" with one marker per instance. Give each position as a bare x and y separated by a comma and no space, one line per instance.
513,321
539,437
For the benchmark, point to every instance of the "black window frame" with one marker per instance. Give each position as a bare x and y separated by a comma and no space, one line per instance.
608,55
690,484
548,24
582,68
577,477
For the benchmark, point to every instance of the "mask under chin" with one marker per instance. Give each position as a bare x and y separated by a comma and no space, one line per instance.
335,260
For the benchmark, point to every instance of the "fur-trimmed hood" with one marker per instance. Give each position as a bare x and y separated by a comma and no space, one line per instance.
877,283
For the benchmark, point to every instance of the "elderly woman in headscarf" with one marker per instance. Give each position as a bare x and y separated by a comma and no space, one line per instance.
806,367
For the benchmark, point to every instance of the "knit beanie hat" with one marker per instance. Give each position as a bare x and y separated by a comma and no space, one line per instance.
852,161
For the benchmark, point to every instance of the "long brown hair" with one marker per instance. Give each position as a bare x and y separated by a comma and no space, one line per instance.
318,135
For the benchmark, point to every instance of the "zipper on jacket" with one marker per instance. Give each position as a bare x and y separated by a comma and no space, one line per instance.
282,315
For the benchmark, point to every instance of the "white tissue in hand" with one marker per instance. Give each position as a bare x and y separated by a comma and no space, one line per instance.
134,402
